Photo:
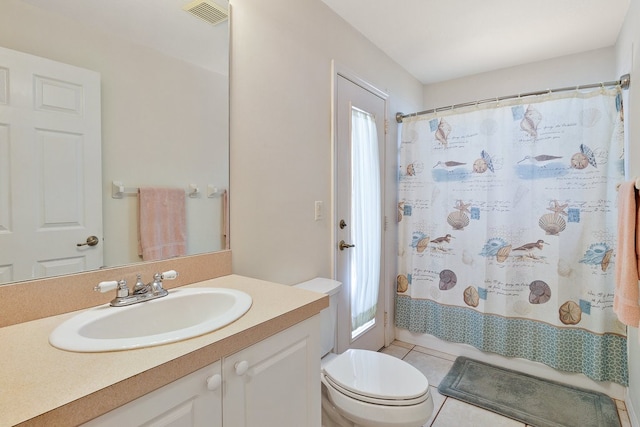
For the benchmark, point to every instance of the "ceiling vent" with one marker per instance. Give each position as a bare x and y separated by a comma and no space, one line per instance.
207,11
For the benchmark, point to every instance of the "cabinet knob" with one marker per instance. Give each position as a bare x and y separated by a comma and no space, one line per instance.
214,381
241,367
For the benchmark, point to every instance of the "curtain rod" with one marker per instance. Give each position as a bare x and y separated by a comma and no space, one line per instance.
624,82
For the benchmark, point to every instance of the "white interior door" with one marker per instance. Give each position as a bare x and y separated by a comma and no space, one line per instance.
360,136
50,167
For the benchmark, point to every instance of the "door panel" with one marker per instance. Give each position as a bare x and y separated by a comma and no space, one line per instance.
50,174
362,263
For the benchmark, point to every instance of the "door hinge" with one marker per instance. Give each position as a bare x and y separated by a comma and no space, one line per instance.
386,318
386,223
386,126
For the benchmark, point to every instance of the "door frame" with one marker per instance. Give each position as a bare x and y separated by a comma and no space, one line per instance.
339,70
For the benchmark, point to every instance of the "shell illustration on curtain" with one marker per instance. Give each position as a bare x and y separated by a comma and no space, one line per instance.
507,243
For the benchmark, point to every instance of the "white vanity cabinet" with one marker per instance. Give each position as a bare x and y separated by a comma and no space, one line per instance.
194,400
276,382
273,383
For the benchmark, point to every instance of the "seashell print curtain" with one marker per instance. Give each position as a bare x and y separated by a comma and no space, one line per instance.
507,217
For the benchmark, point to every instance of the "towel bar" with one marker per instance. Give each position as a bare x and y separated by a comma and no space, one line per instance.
118,190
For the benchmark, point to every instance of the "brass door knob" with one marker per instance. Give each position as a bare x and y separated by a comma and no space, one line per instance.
91,241
342,245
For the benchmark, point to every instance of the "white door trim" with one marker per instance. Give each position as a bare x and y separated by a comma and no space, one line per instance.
339,70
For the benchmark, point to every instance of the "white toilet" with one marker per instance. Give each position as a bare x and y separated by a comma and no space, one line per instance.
365,388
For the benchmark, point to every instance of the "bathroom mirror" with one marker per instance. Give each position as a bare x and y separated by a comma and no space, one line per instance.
164,103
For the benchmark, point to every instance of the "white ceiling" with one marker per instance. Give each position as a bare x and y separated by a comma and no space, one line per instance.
434,40
158,24
438,40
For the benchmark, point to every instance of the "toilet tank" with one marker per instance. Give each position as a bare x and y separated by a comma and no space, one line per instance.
328,316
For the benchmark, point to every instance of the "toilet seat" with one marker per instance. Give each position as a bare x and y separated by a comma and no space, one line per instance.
368,399
376,378
362,413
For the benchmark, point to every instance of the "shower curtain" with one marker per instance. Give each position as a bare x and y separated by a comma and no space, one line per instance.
507,218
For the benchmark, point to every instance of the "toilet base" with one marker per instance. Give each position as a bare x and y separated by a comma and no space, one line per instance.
332,416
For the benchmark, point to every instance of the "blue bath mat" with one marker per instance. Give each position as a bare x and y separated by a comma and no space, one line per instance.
531,400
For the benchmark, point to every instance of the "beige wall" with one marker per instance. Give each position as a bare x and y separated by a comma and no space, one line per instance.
164,121
567,71
281,149
626,50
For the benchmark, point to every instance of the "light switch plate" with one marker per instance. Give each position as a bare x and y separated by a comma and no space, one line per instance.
318,210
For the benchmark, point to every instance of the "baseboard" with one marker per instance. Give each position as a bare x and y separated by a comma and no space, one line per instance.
614,390
633,418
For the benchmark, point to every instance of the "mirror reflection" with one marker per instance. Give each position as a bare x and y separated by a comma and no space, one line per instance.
162,101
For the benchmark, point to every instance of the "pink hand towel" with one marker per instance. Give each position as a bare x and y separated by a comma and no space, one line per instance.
625,301
162,223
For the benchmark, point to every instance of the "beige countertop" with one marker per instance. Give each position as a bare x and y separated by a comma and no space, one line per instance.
42,385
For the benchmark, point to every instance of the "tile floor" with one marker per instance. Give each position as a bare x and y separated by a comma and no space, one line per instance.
449,412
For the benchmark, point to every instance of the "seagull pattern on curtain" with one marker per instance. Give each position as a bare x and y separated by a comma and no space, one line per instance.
507,236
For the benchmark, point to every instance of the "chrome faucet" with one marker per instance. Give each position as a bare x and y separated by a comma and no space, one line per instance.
140,292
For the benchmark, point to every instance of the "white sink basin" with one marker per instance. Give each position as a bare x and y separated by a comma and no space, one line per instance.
184,313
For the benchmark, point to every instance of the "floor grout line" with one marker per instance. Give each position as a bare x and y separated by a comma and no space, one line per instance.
438,413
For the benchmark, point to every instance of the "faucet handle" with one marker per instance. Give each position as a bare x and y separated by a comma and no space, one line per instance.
106,286
156,285
169,275
119,285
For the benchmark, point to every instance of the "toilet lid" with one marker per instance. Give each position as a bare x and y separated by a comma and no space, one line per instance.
376,375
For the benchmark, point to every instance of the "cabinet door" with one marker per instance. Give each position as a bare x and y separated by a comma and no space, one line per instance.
276,382
187,402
